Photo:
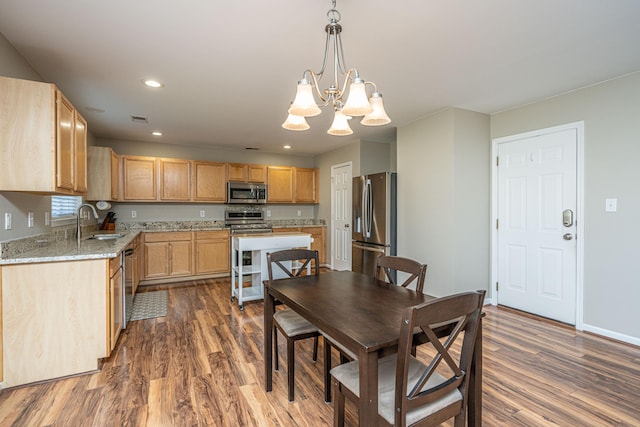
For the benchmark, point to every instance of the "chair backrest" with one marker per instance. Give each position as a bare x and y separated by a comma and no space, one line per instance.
305,257
386,264
455,319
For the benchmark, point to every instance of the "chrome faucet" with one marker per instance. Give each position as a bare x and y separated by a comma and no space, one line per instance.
95,215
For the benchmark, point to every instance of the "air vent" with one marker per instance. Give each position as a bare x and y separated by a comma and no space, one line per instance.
139,119
251,148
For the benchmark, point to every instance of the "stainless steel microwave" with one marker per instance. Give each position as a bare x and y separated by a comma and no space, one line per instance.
246,193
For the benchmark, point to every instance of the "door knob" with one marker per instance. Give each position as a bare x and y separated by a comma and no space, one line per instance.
567,236
346,226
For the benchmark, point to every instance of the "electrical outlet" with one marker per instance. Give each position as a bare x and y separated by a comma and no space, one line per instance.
134,214
7,221
268,213
47,218
611,205
30,219
201,214
299,212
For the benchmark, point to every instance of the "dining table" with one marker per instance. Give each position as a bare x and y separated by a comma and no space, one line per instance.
362,314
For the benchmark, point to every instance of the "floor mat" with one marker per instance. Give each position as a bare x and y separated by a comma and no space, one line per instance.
147,305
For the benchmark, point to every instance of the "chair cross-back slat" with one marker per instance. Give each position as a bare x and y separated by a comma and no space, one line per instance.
386,264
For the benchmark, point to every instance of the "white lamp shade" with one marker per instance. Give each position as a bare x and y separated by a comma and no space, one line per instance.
304,105
295,123
357,104
378,116
340,126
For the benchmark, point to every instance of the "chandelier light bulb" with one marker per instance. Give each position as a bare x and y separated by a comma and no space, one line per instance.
378,116
304,105
294,122
357,104
340,125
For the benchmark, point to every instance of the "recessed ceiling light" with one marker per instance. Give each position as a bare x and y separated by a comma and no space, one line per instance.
287,147
153,83
156,133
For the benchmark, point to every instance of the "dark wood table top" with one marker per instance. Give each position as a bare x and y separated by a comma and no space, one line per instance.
362,313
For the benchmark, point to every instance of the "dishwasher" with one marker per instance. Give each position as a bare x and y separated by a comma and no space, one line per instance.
127,285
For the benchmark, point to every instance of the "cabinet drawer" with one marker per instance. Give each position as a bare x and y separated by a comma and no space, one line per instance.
212,234
171,236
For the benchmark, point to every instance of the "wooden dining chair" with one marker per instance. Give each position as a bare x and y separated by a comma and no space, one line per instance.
386,265
433,386
294,263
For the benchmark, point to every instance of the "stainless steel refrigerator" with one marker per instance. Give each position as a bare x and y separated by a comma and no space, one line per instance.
374,220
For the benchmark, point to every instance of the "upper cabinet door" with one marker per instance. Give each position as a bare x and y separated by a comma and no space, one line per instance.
306,185
209,181
80,144
279,184
65,158
139,178
175,176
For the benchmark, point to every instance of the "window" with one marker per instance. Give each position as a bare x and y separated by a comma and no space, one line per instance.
64,209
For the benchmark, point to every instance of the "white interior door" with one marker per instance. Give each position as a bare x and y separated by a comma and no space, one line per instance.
536,236
341,216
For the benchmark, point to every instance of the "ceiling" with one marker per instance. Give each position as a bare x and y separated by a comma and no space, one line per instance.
230,67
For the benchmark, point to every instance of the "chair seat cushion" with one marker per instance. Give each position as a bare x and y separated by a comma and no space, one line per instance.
348,374
350,354
292,324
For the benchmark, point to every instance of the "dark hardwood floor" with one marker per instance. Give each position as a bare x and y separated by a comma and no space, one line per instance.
202,365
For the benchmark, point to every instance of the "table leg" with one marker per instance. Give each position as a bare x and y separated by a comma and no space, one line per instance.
474,406
368,405
269,309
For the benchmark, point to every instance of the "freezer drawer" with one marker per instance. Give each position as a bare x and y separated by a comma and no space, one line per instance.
363,257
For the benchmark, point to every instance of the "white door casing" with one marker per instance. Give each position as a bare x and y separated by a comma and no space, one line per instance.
341,183
536,256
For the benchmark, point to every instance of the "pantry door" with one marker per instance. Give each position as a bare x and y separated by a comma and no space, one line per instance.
341,184
536,223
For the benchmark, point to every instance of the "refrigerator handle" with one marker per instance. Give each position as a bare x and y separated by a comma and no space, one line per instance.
368,208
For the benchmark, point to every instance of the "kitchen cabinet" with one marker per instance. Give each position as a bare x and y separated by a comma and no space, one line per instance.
103,174
115,302
306,185
167,254
52,327
247,172
175,180
211,252
139,178
287,184
39,127
209,182
279,184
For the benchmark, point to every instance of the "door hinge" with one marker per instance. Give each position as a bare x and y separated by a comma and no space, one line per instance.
497,161
497,223
497,286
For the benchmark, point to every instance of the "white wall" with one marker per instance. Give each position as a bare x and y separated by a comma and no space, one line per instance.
443,199
611,113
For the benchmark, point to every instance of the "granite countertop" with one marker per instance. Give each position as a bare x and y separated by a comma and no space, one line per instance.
57,247
68,250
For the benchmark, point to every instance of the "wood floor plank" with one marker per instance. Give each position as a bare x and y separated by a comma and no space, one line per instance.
202,365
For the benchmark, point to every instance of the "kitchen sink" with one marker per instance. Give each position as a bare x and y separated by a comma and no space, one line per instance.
106,236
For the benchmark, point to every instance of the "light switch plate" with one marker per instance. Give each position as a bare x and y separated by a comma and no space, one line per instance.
611,205
30,219
7,221
202,214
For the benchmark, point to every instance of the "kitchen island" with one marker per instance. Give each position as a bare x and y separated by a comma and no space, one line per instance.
258,245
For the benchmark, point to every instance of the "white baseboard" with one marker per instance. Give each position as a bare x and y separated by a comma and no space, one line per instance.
611,334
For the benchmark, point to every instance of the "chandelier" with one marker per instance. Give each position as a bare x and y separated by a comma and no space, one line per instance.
356,104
